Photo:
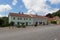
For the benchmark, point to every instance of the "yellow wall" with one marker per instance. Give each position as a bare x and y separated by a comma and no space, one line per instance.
58,21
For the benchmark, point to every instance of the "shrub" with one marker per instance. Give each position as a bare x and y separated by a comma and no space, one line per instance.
53,22
1,22
12,23
3,25
18,26
23,25
36,24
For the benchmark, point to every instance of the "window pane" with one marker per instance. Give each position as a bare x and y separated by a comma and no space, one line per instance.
24,18
29,22
13,18
20,18
29,18
18,23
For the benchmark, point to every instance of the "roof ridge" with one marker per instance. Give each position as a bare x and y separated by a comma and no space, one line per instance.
26,15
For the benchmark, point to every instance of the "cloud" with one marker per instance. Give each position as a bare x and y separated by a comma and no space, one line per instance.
0,15
38,6
54,1
5,7
14,2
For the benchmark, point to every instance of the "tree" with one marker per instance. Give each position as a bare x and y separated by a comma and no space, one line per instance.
56,13
23,25
12,23
1,22
4,22
49,15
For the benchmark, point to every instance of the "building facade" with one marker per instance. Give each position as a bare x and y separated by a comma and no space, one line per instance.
27,19
55,19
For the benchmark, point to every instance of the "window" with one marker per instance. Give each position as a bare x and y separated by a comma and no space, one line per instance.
13,18
18,23
29,18
26,23
40,22
26,18
20,18
29,22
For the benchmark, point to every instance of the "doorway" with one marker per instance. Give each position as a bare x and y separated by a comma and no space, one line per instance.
26,23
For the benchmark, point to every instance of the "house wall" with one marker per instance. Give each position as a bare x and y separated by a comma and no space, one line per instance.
40,20
30,22
9,19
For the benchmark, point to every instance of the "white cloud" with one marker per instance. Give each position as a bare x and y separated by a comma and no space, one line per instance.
38,6
0,15
5,7
54,1
14,2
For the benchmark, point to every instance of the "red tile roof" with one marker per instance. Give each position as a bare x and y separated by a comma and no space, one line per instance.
19,15
49,19
54,18
25,15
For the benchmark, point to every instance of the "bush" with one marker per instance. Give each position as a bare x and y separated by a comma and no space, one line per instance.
53,22
36,24
3,25
11,23
23,25
1,22
18,26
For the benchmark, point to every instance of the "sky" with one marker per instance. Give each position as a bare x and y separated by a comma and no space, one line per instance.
39,7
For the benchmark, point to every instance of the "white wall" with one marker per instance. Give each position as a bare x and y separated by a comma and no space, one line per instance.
40,20
33,20
24,21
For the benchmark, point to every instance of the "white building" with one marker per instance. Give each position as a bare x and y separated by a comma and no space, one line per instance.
27,19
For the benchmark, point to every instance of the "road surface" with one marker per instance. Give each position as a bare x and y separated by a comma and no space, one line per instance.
50,32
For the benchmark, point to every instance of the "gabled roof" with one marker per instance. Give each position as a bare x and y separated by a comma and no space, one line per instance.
26,15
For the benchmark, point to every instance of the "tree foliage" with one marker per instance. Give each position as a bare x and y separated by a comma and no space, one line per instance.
50,15
4,21
56,13
1,22
12,23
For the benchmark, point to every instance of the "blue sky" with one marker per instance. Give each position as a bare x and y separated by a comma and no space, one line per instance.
41,7
19,7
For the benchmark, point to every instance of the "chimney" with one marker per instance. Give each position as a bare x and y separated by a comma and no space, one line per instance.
22,13
19,13
36,14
